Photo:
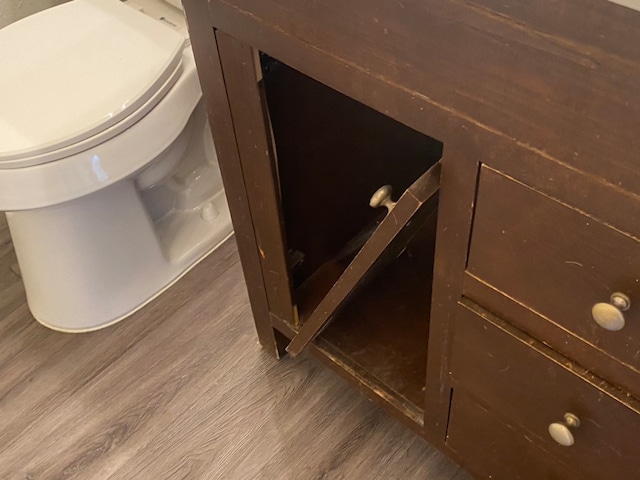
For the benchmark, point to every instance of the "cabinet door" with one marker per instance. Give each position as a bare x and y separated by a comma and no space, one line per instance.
388,240
243,79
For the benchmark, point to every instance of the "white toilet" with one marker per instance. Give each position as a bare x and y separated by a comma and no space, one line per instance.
108,172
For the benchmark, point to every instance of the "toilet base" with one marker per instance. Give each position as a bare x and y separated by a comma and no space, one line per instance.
88,263
143,304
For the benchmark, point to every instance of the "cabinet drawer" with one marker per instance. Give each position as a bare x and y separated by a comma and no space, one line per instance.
557,262
495,449
533,386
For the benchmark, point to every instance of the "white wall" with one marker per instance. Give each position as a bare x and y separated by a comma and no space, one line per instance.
635,4
12,10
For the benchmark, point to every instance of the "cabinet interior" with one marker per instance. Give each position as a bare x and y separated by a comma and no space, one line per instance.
332,154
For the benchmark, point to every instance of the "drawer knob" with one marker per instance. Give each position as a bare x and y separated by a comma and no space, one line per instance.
561,432
382,198
609,315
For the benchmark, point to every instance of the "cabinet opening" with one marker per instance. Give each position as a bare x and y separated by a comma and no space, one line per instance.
332,153
383,328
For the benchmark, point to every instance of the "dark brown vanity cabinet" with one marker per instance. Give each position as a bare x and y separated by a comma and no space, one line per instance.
489,301
352,278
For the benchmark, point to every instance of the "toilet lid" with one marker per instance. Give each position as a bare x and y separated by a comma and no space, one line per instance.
74,70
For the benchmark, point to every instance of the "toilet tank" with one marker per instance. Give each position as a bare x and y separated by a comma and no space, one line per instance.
169,12
175,3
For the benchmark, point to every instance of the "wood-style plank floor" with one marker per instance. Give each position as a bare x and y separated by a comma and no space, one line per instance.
182,390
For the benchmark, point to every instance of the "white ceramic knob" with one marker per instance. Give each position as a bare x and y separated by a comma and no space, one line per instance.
561,432
609,315
382,198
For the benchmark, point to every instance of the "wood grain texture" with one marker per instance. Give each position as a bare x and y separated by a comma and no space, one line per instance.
466,435
575,262
490,360
182,390
258,167
534,324
11,290
507,68
545,88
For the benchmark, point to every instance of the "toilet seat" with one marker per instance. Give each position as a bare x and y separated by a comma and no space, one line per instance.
79,74
105,163
88,141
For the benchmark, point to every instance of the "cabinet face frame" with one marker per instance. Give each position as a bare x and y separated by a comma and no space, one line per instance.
241,78
235,88
467,144
456,121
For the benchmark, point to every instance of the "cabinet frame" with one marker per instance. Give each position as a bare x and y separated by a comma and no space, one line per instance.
237,72
476,127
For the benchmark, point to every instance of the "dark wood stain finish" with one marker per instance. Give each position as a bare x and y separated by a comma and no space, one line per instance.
596,360
560,250
330,151
533,386
542,95
492,456
396,229
256,157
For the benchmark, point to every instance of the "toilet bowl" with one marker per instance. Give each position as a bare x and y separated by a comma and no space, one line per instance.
108,173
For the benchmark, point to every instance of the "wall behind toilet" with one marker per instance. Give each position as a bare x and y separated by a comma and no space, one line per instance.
12,10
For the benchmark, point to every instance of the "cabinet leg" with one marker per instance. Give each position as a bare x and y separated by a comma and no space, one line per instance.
272,341
281,343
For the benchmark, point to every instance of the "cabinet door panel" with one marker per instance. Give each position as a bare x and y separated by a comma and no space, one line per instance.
242,74
388,240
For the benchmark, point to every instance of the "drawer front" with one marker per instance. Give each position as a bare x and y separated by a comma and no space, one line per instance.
495,449
534,387
556,261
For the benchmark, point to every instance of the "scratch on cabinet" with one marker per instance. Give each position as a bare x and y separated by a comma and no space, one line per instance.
572,262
